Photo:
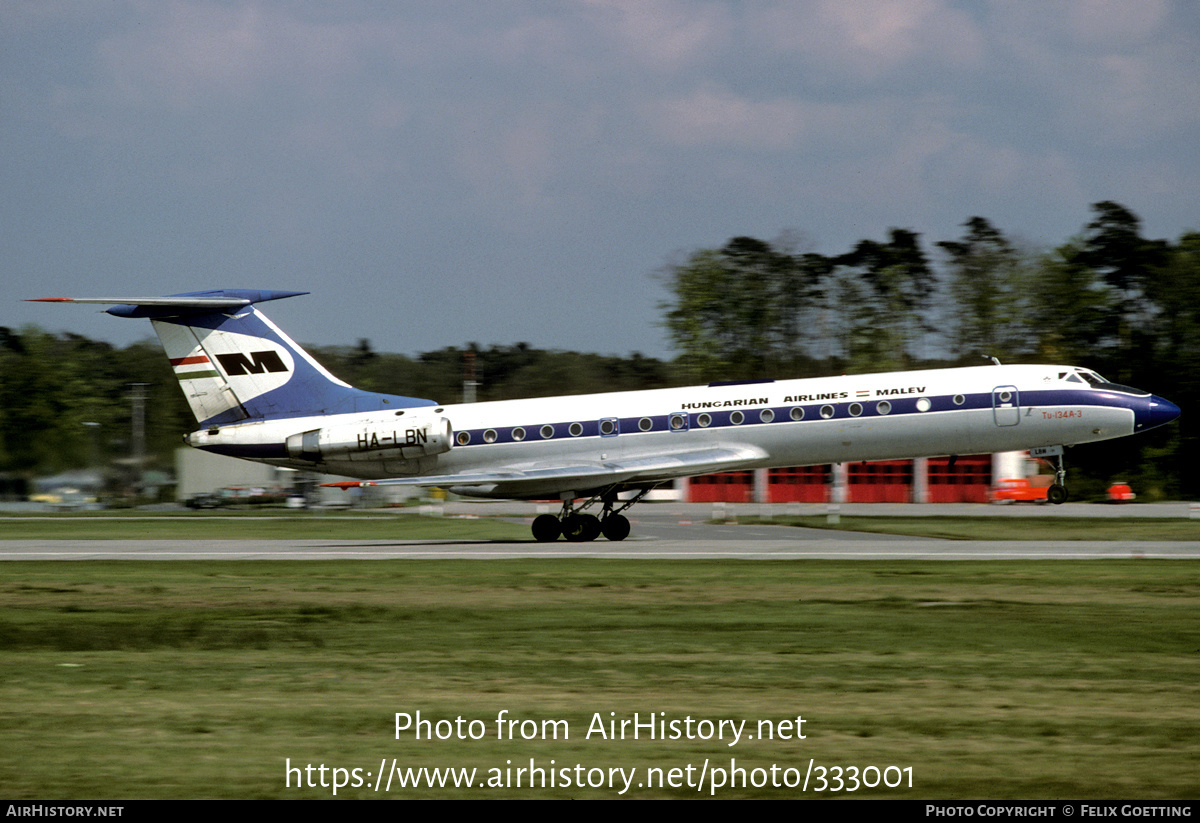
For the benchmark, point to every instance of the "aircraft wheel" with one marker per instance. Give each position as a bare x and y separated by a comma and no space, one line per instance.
1056,494
615,527
580,528
546,528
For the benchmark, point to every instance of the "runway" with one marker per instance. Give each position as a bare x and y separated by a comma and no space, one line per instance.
648,549
659,533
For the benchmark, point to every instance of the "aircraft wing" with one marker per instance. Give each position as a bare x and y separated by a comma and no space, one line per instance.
541,479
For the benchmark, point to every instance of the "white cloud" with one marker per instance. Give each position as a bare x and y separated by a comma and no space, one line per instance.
190,55
711,116
1103,73
665,34
865,39
1114,23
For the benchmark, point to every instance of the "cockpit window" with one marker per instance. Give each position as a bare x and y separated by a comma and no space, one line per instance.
1098,382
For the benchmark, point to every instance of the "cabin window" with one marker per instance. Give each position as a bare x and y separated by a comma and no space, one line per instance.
855,409
959,400
489,436
737,418
923,404
518,434
797,413
704,421
678,422
463,438
827,412
547,431
883,407
608,426
645,424
575,429
766,415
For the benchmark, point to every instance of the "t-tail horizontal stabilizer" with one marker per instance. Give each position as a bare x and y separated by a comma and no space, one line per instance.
178,305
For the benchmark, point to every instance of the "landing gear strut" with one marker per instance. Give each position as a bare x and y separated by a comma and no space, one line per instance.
579,527
1057,493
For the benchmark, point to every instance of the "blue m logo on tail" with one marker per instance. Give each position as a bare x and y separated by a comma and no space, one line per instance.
256,362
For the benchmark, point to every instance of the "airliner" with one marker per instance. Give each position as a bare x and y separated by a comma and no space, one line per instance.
258,396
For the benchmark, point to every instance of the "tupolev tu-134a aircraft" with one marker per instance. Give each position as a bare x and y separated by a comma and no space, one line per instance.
259,396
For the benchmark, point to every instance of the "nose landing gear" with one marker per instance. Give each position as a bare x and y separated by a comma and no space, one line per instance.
1057,493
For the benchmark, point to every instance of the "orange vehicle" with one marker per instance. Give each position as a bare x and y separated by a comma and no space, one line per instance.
1022,489
1120,493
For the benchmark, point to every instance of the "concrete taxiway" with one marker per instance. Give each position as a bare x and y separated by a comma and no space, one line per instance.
647,549
666,531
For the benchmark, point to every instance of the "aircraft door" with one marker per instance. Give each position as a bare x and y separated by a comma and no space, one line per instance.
1006,405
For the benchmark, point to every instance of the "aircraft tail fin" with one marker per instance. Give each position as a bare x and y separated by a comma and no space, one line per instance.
234,364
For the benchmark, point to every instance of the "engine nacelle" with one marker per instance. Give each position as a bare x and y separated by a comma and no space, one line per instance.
407,438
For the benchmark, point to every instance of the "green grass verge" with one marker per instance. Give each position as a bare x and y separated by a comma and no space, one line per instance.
261,526
1001,528
1016,679
266,525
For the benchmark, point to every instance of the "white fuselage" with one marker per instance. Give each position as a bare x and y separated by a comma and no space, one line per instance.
769,424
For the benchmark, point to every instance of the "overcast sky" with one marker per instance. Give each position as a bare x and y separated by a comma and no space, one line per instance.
443,172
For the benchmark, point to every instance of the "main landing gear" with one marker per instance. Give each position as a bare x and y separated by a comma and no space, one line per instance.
579,527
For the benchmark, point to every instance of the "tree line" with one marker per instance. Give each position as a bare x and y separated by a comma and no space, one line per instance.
1108,299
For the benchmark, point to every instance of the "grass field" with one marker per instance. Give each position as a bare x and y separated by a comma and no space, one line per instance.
267,525
1021,679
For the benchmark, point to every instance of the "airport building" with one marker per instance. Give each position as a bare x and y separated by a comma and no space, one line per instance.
964,479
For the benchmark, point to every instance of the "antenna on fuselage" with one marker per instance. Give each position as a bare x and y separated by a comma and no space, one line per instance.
993,359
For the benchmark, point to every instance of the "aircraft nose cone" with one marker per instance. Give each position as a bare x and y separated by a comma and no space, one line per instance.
1155,411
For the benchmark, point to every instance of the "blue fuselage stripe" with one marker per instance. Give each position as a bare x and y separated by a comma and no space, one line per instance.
782,414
